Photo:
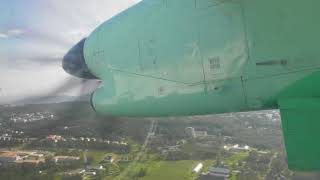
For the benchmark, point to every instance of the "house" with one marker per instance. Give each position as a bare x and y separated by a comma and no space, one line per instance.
87,173
108,159
30,157
168,149
237,148
66,160
173,148
9,157
219,172
94,168
55,138
191,132
263,152
201,134
21,157
30,161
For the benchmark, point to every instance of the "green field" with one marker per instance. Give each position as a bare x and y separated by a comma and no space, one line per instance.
177,170
170,170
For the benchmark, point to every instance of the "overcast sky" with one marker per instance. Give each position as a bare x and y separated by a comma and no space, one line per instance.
34,36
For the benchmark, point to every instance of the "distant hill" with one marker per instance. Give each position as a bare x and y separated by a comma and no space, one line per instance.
42,100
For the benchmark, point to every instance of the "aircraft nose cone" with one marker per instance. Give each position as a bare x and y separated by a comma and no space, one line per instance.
74,63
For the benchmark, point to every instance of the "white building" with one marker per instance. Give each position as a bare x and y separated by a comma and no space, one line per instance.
237,148
201,133
190,132
66,160
198,168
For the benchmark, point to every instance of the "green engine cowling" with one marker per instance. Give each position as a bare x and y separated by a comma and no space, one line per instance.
193,57
162,58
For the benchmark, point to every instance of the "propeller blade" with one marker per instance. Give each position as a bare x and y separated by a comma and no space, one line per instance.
83,87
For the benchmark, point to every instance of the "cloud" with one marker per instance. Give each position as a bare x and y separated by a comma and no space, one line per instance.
3,36
38,36
15,32
12,33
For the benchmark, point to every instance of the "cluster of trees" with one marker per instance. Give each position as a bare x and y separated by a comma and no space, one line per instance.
45,144
252,129
279,169
8,144
71,177
176,155
266,166
248,174
142,172
194,155
258,162
25,172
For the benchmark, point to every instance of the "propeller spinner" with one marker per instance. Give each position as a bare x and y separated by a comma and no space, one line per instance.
74,63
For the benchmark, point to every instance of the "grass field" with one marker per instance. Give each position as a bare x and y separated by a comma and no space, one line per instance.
160,170
170,170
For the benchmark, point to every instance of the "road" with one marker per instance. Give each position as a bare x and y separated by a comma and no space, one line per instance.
275,155
151,132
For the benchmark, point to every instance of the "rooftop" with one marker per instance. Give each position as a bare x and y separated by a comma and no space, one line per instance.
8,154
67,157
219,170
29,161
99,167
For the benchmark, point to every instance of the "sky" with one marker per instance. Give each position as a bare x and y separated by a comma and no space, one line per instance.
35,35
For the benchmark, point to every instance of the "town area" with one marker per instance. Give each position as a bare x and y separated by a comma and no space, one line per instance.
53,142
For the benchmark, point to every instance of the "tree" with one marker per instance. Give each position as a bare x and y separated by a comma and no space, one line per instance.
71,177
142,172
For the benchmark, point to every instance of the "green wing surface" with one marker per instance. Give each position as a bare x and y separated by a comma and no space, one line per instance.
300,123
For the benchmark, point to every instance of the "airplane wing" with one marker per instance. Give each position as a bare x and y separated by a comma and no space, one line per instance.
300,114
300,123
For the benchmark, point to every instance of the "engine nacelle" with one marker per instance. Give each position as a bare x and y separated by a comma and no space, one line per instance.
161,58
